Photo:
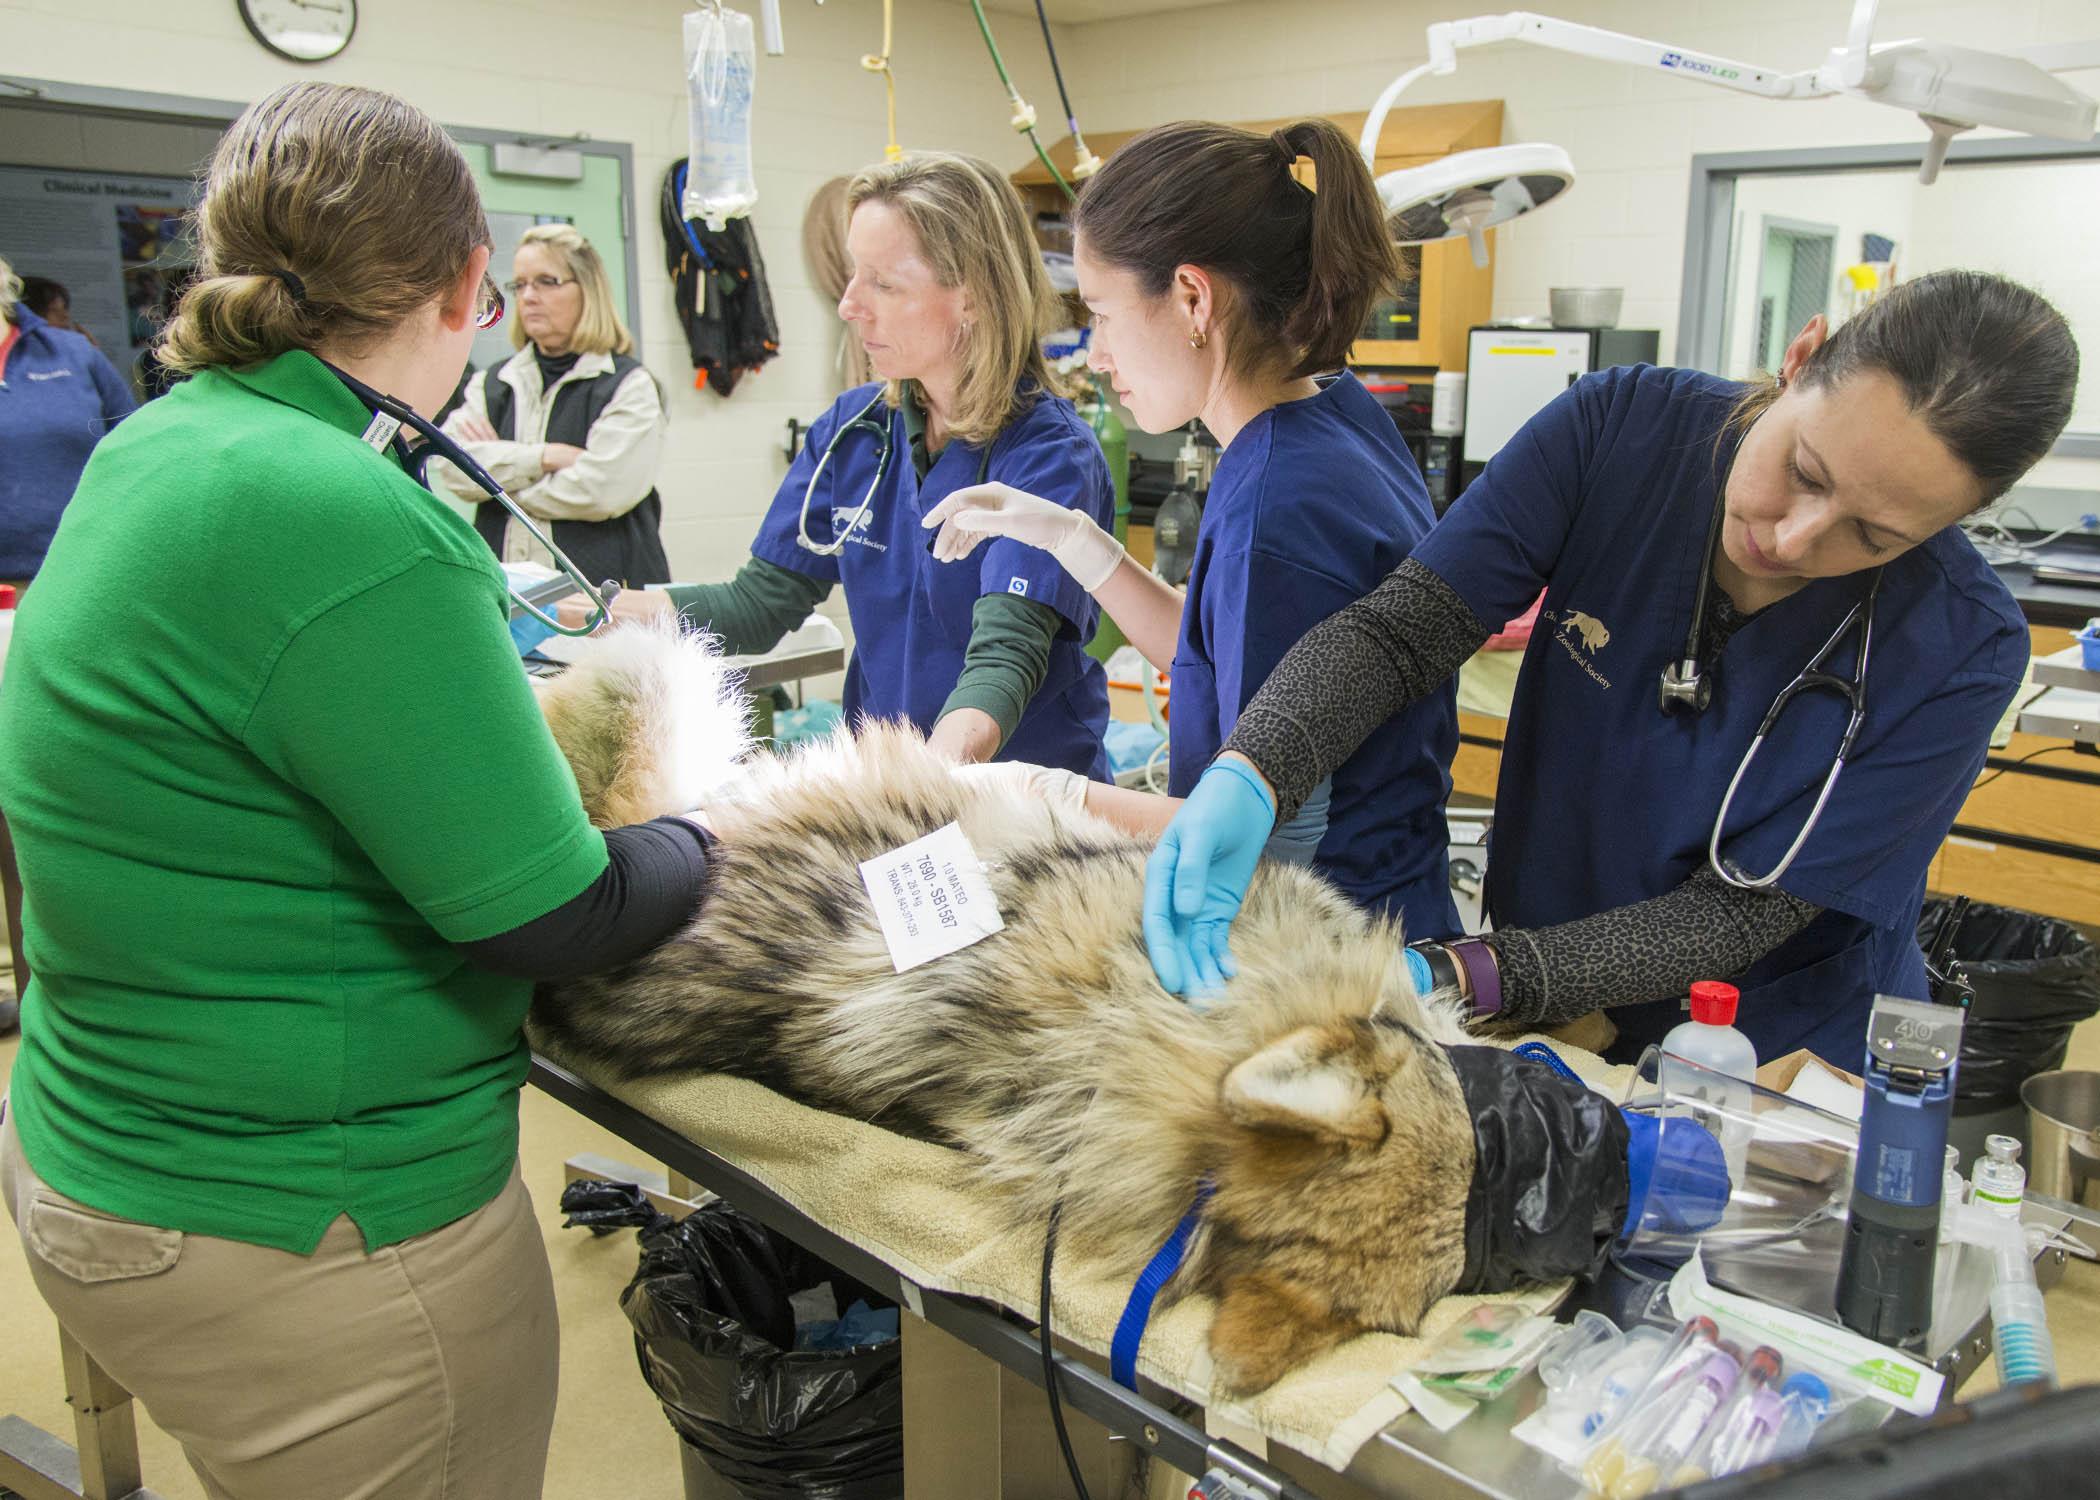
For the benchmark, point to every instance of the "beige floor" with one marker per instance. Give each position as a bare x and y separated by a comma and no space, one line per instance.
609,1436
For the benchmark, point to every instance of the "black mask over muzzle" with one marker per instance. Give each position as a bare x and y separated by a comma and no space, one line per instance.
1549,1172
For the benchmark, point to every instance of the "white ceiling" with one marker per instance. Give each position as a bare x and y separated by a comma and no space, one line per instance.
1079,12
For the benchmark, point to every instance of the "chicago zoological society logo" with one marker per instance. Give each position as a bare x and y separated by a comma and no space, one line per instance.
1583,637
862,529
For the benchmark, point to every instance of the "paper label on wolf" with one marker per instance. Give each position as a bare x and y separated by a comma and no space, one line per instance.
931,897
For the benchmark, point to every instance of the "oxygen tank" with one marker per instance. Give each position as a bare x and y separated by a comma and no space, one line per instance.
1100,414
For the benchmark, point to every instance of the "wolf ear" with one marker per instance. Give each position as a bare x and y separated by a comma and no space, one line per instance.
1315,1081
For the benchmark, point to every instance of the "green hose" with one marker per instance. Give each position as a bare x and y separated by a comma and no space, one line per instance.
1019,103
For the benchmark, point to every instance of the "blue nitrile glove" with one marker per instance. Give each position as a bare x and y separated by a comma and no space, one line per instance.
1418,971
528,630
1676,1176
1199,872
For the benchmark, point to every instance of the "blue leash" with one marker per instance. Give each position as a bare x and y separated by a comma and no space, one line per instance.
1137,1312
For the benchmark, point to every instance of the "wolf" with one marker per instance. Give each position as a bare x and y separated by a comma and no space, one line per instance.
1314,1094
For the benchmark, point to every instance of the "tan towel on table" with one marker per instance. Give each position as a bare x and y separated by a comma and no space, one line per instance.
910,1204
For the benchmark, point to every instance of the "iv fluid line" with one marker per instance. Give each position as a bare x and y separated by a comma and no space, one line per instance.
1024,114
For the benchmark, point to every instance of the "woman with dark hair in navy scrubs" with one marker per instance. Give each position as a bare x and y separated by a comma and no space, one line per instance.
1685,525
1225,289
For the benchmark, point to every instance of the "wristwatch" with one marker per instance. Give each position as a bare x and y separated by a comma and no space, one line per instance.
1442,967
1482,975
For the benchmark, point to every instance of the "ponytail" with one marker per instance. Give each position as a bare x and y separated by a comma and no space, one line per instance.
1301,265
1351,258
235,320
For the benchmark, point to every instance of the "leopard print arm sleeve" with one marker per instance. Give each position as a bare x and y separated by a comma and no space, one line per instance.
1350,673
1651,950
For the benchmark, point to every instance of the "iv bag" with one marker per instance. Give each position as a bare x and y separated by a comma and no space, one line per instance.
720,56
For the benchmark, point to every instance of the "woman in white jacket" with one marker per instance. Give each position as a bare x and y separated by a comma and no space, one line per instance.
571,424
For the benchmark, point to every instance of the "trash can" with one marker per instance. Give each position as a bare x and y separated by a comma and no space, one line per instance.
782,1376
2035,978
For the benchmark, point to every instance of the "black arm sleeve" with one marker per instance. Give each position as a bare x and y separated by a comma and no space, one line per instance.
1651,950
1352,672
655,874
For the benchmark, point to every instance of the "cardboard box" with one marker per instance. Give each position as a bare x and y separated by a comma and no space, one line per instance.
1779,1074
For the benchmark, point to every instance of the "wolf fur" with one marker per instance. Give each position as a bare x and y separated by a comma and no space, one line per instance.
1313,1093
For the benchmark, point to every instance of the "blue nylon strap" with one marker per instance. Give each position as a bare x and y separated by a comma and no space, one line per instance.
1137,1312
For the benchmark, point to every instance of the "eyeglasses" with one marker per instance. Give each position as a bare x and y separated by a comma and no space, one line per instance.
490,310
519,285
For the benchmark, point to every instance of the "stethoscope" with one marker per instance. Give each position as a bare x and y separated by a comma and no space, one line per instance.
1685,687
883,443
389,416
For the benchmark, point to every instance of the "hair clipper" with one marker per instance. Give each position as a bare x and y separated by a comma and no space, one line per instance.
1884,1287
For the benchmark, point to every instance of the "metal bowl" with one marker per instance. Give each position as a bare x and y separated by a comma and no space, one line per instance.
1586,306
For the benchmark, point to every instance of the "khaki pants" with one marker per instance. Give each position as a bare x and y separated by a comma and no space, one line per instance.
423,1371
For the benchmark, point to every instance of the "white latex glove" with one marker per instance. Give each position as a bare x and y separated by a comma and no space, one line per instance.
1062,789
970,515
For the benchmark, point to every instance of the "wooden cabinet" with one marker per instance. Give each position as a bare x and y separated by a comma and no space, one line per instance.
1449,294
1974,863
1476,766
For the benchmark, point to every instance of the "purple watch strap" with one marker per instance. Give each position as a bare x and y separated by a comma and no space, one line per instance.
1482,977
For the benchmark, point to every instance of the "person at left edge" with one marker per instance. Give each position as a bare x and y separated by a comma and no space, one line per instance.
58,396
950,298
572,424
297,844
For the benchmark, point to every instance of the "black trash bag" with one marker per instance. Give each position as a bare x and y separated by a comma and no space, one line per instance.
1550,1183
715,1334
605,1207
2035,978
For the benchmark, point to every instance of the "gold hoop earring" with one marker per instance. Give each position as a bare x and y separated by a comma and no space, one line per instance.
1198,339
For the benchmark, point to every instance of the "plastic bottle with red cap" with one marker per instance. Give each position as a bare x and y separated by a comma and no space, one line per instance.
1710,1039
7,620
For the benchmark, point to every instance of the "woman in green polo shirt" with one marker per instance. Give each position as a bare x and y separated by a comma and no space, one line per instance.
296,843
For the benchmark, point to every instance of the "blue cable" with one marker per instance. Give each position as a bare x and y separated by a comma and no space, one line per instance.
692,240
1540,1052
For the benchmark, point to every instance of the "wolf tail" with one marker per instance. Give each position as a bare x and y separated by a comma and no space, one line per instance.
650,720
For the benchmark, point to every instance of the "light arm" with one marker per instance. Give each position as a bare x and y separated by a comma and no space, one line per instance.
1951,88
1447,37
1617,46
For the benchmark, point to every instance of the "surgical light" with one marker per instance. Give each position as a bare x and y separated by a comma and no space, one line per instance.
1952,89
1465,193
